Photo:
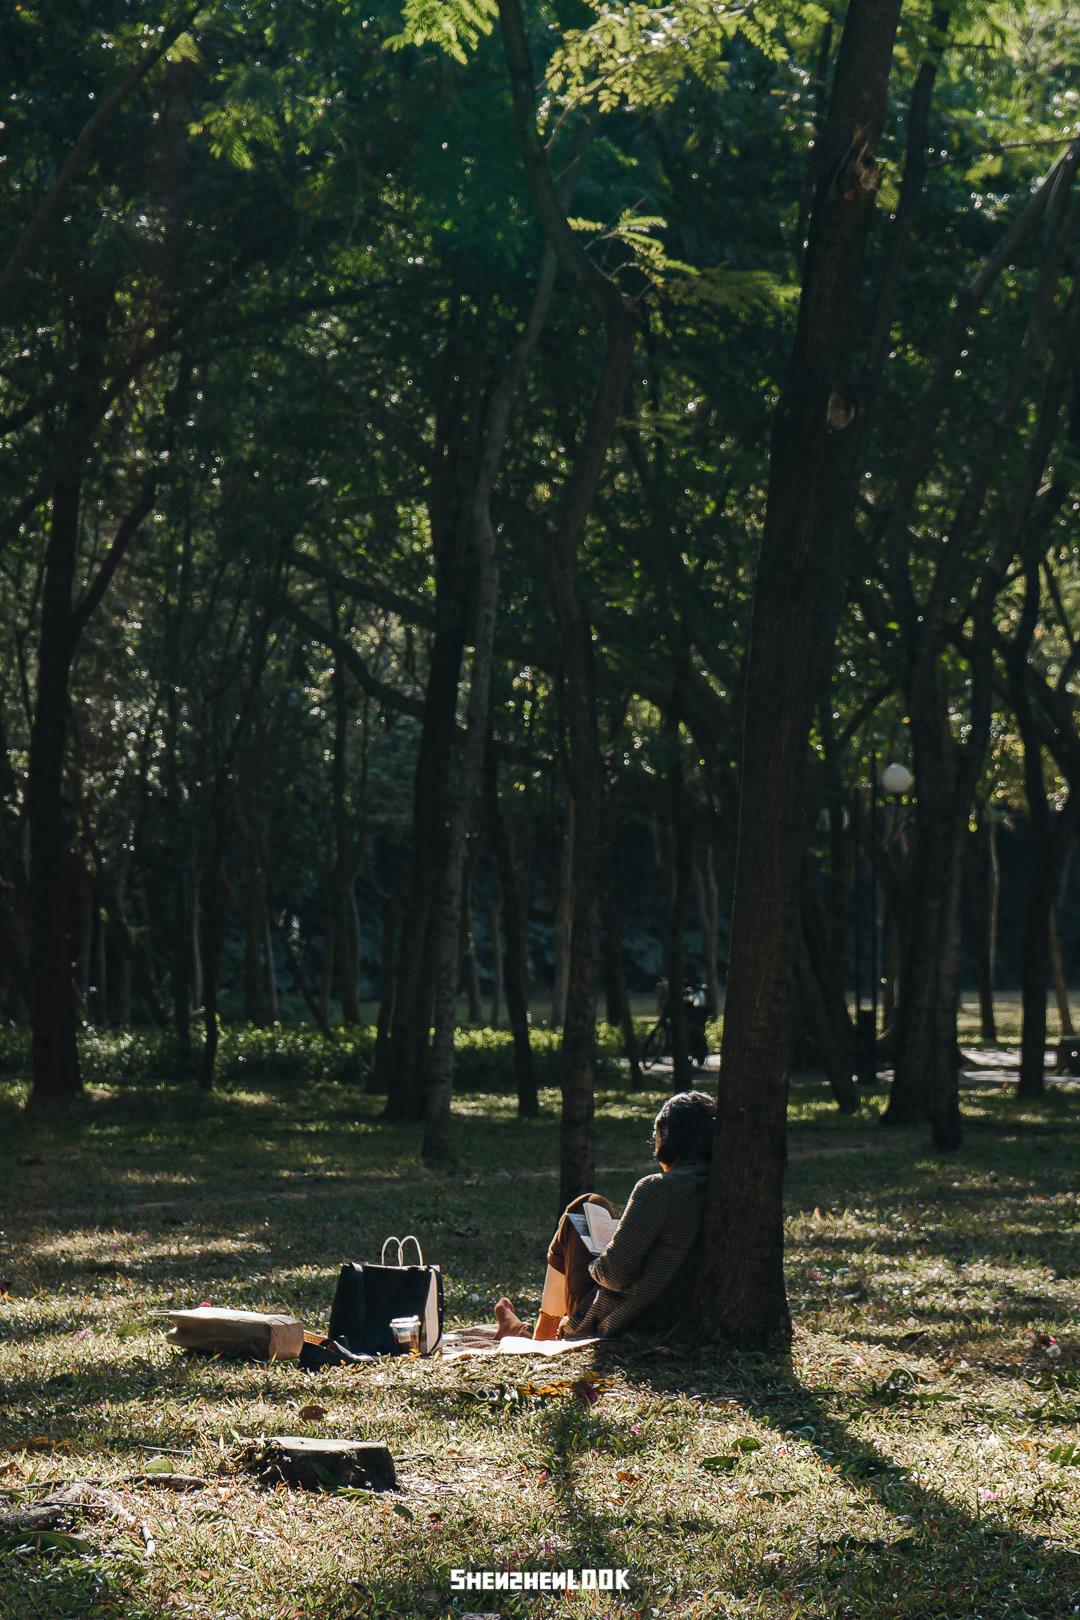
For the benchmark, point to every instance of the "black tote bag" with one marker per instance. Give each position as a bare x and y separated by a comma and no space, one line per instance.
368,1296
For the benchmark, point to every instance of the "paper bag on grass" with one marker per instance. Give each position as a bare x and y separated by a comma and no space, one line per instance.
237,1333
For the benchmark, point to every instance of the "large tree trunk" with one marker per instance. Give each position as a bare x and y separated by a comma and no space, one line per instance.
55,1057
798,594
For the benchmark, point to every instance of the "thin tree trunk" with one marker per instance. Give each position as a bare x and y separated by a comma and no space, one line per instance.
55,1057
708,900
195,924
468,944
300,980
84,892
681,859
404,1051
515,919
988,889
483,546
270,993
326,979
102,1002
617,971
563,916
344,860
577,1054
495,1019
213,931
254,908
1057,961
387,982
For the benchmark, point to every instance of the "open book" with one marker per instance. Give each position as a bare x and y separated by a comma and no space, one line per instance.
595,1226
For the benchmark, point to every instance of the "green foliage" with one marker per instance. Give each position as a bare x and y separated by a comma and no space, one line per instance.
641,55
248,1054
454,26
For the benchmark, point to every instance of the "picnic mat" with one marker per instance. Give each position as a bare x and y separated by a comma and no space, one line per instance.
481,1341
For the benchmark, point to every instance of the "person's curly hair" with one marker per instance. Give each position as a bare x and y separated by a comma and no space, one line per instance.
686,1124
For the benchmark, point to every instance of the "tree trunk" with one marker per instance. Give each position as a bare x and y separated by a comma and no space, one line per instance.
835,1058
1050,835
406,1048
516,970
195,925
988,890
387,983
824,1008
468,944
270,995
436,1143
254,909
495,1019
708,899
563,916
55,1057
293,956
798,594
577,1053
1057,968
101,1005
926,1083
681,861
617,973
213,930
84,900
344,859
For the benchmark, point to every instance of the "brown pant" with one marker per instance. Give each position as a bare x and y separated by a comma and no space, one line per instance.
568,1255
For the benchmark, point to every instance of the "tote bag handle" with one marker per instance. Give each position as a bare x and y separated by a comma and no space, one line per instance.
416,1242
401,1242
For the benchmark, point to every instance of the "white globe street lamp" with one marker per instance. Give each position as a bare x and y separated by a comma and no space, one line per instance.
896,778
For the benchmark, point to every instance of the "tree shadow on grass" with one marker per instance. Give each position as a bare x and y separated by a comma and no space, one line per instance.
947,1562
55,1585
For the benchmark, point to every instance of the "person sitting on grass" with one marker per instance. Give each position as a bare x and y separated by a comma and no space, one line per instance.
647,1272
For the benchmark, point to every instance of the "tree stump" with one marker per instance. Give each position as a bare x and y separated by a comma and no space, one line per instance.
316,1464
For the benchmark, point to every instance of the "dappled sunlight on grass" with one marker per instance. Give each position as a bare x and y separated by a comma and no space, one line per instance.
912,1444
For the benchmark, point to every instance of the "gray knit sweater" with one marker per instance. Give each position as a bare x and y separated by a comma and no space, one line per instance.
651,1249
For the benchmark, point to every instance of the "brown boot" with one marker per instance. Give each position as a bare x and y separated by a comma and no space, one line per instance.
547,1327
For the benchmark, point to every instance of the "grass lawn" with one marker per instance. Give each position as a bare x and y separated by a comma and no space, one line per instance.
911,1457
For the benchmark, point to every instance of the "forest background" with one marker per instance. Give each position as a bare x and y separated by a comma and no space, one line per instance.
481,475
